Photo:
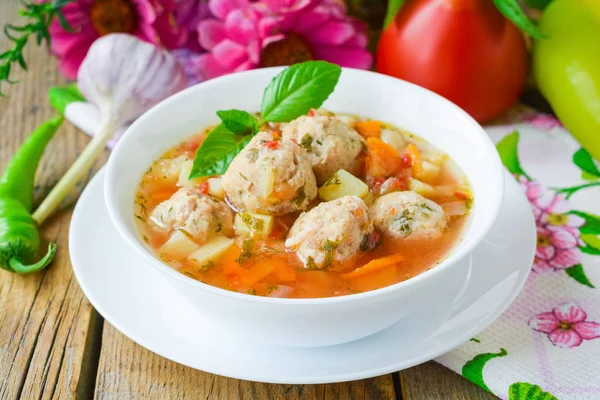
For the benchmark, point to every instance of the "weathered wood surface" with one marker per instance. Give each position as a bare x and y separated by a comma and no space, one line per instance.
53,344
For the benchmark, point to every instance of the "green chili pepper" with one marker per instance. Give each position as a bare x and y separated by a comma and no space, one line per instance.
19,237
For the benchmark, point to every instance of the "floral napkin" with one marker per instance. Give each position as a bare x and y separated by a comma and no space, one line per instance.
547,344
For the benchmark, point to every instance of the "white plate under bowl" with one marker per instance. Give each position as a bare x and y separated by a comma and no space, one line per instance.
124,289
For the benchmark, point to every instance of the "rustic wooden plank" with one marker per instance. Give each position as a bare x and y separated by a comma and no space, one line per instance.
129,371
49,333
432,381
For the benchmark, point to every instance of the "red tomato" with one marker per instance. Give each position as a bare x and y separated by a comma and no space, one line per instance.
464,50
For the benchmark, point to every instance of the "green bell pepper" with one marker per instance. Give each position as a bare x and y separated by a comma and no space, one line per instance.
566,67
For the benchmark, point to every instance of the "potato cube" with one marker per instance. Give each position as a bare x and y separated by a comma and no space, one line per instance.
179,245
167,170
421,188
394,138
183,181
427,171
343,183
215,188
206,255
250,224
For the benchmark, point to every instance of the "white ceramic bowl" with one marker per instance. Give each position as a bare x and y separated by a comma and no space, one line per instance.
422,303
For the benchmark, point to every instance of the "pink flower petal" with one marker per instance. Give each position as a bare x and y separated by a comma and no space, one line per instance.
541,266
562,238
230,54
545,322
566,258
545,252
210,33
310,20
569,313
222,8
350,57
172,35
565,338
575,221
331,33
70,63
588,330
207,67
240,27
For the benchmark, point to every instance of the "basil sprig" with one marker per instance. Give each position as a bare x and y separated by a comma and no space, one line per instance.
290,94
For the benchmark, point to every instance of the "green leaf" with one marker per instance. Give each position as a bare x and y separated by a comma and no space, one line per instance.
392,9
512,10
528,391
297,89
61,96
509,154
217,151
591,240
584,161
473,369
539,4
576,272
239,122
592,222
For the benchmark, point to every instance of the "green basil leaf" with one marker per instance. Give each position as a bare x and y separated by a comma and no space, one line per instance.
239,122
512,10
297,89
61,96
217,151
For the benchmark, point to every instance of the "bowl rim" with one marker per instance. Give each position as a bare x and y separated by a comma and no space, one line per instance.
111,199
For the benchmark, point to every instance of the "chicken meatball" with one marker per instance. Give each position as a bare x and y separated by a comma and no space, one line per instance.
270,176
201,216
330,233
408,215
331,144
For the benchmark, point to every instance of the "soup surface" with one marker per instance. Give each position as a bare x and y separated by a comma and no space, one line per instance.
325,205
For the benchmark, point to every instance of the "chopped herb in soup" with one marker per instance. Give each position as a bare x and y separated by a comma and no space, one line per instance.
325,205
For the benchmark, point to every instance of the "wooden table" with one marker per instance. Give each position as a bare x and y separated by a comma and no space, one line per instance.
53,344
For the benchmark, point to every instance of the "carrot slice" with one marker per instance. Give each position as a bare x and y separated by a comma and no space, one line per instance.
382,160
257,272
282,270
374,265
162,195
375,280
463,195
368,129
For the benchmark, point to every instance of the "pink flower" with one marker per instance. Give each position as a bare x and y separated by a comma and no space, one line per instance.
566,326
313,29
245,35
558,236
543,121
231,38
557,248
150,20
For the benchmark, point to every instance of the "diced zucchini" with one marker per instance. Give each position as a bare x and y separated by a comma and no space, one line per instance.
422,188
210,252
250,224
266,180
394,138
215,188
179,245
427,171
183,181
343,183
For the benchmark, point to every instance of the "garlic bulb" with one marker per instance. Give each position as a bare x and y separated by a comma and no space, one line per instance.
123,77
